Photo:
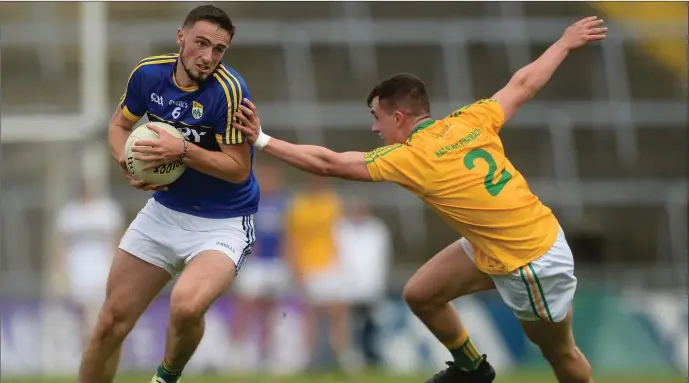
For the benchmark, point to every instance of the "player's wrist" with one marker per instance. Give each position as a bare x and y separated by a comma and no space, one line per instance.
562,44
262,140
185,148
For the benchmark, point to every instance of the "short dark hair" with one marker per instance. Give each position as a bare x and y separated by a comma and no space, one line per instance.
212,14
402,90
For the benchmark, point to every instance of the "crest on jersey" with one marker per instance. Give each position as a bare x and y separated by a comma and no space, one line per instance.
196,110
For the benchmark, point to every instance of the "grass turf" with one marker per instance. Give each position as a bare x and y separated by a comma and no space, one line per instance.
518,377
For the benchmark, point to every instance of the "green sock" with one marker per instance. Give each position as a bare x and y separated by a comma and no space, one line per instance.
466,356
168,374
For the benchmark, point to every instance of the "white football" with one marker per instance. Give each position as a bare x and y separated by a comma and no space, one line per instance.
161,175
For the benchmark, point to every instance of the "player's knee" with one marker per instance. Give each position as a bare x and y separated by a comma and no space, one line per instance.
411,295
419,297
114,323
568,357
186,312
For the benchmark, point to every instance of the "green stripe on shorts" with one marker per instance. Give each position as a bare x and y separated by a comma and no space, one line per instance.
528,290
540,289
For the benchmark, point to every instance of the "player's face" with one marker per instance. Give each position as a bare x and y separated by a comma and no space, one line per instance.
201,49
387,124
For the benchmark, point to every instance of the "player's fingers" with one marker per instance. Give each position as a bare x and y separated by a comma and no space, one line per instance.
147,149
141,149
146,143
594,22
243,118
592,25
597,31
250,104
246,111
243,128
596,37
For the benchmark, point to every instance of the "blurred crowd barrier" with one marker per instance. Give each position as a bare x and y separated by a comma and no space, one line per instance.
604,145
623,333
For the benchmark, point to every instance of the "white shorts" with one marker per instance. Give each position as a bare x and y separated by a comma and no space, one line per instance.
263,278
543,289
169,239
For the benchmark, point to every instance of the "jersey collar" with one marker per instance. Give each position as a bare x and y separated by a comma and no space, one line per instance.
192,88
421,127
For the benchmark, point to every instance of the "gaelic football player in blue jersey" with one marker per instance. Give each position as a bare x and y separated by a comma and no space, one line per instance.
199,226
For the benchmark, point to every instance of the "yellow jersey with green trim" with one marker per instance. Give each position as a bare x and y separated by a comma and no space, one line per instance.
309,225
204,115
458,167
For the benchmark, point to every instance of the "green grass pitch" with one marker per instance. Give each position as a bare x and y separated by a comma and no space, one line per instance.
519,377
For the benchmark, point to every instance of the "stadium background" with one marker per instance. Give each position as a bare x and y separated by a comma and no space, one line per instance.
604,144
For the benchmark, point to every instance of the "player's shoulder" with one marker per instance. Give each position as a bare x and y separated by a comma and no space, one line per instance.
227,81
231,72
387,151
156,65
483,106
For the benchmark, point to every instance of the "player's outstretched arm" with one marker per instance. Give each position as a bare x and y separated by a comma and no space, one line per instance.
531,78
310,158
319,160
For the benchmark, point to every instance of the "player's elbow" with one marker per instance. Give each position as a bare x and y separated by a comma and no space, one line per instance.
325,170
333,166
343,170
523,87
238,174
234,171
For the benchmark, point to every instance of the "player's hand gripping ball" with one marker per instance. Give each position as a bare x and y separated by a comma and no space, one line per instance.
161,173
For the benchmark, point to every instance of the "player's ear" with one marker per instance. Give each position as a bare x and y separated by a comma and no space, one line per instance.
399,117
180,36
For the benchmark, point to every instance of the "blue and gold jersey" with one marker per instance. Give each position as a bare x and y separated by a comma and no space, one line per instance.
204,115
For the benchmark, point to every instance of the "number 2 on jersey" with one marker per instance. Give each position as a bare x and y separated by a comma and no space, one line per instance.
493,188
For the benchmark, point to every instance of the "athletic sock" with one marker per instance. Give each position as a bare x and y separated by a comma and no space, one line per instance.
465,354
167,373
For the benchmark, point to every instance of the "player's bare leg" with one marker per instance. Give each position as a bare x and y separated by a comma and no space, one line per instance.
445,277
266,307
132,285
312,312
260,311
557,345
340,332
246,314
204,279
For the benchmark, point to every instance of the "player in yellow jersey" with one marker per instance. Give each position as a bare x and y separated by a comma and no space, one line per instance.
457,165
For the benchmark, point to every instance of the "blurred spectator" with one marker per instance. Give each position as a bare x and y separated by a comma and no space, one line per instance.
265,276
311,223
88,230
364,246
